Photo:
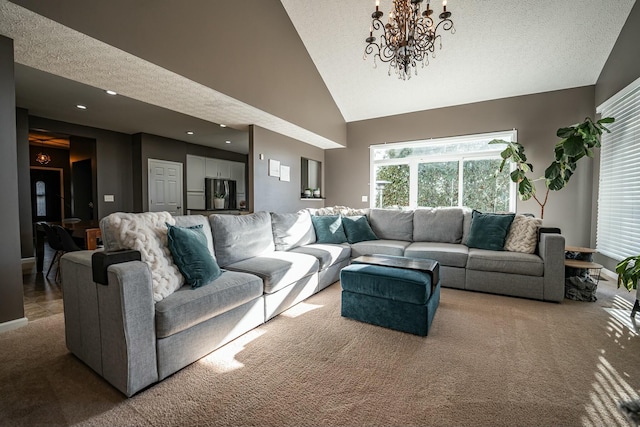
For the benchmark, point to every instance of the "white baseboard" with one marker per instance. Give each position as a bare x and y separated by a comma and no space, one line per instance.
13,324
612,275
27,264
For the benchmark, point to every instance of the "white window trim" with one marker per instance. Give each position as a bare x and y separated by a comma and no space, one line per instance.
414,161
617,219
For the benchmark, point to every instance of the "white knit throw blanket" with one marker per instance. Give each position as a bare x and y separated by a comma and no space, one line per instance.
147,233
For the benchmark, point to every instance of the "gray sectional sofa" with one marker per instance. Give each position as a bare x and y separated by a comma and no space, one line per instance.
133,338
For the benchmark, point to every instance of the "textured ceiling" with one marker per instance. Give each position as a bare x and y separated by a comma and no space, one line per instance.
48,46
501,48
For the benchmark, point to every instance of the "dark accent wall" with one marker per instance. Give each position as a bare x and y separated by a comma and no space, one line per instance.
24,182
146,146
269,193
113,162
536,118
11,302
621,69
278,76
81,148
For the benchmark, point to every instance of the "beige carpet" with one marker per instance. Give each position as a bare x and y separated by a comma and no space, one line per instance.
488,360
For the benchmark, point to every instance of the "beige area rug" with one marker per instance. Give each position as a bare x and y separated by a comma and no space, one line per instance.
488,360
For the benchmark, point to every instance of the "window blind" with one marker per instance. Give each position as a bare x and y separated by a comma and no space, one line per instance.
618,227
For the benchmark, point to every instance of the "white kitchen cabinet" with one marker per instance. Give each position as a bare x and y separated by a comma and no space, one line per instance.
195,173
216,168
195,200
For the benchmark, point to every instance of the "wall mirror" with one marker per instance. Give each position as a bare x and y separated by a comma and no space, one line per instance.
311,177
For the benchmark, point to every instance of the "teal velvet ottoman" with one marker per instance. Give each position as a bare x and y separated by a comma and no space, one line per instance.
395,298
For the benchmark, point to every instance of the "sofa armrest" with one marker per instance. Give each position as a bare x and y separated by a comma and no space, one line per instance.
551,250
111,328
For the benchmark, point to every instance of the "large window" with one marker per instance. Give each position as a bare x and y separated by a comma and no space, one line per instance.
457,171
618,230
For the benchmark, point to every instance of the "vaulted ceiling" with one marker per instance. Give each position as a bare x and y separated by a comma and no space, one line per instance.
501,48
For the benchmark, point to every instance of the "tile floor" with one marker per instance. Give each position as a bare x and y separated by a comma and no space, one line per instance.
42,295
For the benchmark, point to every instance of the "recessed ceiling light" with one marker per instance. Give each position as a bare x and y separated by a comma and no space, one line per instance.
111,92
228,142
82,107
223,126
189,132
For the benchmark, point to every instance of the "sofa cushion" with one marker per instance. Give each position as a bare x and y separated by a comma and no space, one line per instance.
191,220
291,230
392,224
328,229
239,237
188,307
326,254
188,246
505,262
278,269
447,254
466,223
357,229
523,234
438,225
145,232
382,247
489,230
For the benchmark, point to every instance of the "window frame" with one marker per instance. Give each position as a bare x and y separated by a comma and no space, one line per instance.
493,154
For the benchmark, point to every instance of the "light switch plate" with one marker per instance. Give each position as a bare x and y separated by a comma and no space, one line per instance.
365,198
108,198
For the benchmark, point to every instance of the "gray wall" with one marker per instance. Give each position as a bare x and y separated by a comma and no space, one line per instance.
271,194
146,146
536,117
621,69
24,182
11,303
277,76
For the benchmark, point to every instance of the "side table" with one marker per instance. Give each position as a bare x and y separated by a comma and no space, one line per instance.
580,272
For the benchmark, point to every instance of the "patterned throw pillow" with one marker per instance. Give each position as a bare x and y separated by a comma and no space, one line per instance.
523,234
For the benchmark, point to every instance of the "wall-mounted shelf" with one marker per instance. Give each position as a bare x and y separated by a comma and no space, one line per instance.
312,198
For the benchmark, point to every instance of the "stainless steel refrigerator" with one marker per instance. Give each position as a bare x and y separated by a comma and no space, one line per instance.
220,189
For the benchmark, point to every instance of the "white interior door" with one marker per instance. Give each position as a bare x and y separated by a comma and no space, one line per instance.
165,186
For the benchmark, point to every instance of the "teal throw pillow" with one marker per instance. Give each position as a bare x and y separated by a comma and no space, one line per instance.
489,230
357,229
188,246
328,229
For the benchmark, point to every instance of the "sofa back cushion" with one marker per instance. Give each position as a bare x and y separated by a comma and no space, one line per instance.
147,233
442,225
239,237
291,230
392,224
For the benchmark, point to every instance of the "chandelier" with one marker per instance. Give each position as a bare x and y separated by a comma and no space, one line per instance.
43,158
408,37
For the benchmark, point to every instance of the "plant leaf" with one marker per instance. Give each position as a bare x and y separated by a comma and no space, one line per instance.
565,132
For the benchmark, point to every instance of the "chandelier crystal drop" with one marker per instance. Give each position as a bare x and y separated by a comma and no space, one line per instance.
408,37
